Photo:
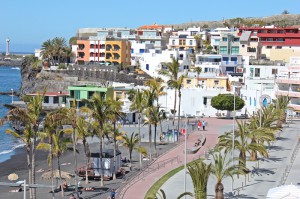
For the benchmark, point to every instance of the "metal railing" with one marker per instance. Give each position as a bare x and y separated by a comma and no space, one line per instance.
145,172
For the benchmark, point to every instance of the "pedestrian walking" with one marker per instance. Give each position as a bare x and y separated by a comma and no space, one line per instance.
199,125
204,125
112,194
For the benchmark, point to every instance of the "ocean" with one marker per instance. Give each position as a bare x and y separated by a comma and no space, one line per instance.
10,78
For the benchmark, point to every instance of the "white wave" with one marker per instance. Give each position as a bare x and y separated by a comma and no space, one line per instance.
12,149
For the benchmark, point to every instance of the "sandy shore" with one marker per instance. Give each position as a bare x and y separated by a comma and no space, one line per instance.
18,164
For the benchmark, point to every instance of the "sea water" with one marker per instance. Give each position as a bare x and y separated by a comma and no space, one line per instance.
10,78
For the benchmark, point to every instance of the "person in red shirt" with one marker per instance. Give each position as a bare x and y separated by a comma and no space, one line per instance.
199,125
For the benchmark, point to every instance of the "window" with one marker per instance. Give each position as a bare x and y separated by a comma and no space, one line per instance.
171,55
278,47
274,71
191,42
251,50
188,81
225,58
233,58
223,49
270,39
180,42
236,39
205,100
280,39
257,72
173,42
142,50
235,50
55,100
224,38
132,50
147,66
269,47
216,82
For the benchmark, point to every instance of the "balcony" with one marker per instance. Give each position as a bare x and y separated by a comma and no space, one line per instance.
296,107
286,80
288,93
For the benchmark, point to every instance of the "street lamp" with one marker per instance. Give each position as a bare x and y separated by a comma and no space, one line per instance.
185,154
12,95
233,129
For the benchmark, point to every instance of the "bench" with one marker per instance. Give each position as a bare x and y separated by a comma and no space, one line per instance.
192,150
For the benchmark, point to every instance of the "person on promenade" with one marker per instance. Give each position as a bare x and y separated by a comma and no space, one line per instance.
112,194
199,125
204,125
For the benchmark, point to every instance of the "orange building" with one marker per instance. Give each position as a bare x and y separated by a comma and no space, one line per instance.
109,51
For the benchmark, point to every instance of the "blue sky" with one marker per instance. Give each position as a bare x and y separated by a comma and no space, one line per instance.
29,23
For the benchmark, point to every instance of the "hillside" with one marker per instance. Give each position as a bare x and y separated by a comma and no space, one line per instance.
278,20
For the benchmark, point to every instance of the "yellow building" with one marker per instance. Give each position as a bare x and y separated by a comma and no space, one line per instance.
117,51
213,82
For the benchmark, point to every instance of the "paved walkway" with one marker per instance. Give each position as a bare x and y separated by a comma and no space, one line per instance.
175,158
282,167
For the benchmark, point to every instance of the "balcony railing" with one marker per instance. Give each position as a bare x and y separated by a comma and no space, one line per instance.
288,93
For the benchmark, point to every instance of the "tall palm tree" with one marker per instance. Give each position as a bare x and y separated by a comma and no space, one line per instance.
199,172
222,168
137,105
100,110
149,97
60,145
30,118
172,73
281,105
83,130
52,122
198,70
242,143
130,143
116,114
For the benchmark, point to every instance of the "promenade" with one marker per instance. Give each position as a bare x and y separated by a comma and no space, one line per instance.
174,158
282,167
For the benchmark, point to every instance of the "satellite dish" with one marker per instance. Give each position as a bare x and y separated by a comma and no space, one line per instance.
265,100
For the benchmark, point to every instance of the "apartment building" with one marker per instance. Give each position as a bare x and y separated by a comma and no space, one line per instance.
189,39
288,83
270,42
229,44
215,37
108,47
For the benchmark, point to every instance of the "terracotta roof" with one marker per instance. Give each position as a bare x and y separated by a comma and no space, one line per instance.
154,26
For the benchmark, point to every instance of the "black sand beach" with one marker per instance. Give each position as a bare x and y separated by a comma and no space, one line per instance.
18,164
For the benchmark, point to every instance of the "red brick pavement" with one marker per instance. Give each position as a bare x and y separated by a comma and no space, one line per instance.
139,189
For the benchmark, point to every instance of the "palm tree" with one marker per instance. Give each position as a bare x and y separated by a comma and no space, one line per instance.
241,143
60,145
222,168
153,118
177,84
199,172
30,119
172,73
198,70
116,113
162,195
137,105
52,122
82,132
100,110
130,143
281,105
48,51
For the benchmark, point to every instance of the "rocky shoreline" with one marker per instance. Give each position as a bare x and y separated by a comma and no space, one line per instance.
12,63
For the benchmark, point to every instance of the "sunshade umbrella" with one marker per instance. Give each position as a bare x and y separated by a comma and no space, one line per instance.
64,175
13,176
284,192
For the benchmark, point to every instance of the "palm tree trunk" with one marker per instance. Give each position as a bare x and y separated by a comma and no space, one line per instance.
60,178
253,154
219,188
179,95
150,141
155,127
139,124
242,159
29,167
33,166
75,162
115,148
200,194
101,163
51,160
86,161
174,115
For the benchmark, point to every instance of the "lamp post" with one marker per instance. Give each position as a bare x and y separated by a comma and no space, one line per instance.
233,129
185,160
12,95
